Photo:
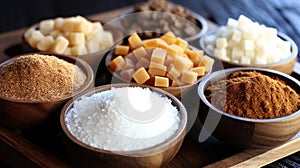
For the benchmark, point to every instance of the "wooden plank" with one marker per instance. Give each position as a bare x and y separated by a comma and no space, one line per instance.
271,155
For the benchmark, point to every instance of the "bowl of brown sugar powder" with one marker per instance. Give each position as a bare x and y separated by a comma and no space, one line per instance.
250,107
34,86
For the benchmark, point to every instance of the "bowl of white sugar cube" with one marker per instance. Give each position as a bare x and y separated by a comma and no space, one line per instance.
244,43
123,125
73,36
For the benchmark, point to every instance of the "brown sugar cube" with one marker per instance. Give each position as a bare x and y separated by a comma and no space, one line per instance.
161,81
189,63
173,73
162,44
199,70
195,55
117,63
174,83
131,57
169,60
59,45
140,76
149,52
158,55
128,64
170,67
207,62
139,52
169,37
180,63
175,50
122,50
157,69
143,62
135,41
150,43
182,43
127,74
189,77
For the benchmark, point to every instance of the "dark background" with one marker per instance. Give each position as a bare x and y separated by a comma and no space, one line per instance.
282,14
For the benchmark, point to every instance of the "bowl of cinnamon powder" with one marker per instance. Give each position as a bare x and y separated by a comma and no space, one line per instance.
251,107
35,85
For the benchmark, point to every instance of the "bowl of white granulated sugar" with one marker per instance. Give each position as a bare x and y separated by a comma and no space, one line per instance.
123,125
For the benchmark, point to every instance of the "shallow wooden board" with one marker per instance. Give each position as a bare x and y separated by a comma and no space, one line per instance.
43,148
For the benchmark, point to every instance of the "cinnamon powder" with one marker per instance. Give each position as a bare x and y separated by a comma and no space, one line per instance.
253,95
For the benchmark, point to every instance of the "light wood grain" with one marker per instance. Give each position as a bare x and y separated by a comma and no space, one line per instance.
271,155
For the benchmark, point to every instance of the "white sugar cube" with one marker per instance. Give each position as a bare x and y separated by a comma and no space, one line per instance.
270,33
237,61
232,23
245,60
273,58
220,53
92,46
237,53
46,26
79,50
243,21
45,44
221,43
260,60
236,36
248,45
249,54
58,23
107,40
36,36
28,33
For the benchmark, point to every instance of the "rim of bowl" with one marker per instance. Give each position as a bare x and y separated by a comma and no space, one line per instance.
202,21
84,66
116,33
226,72
108,57
169,142
294,49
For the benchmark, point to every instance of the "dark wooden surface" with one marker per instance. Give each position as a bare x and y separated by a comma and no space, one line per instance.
282,14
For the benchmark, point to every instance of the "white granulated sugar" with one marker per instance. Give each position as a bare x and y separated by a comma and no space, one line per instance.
123,119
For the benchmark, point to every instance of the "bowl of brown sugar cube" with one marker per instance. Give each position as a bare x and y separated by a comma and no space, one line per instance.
34,86
72,36
166,61
250,107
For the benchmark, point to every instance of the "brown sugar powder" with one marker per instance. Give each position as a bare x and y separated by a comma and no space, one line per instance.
39,77
253,95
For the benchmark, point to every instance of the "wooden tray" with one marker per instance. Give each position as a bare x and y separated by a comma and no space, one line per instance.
43,148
